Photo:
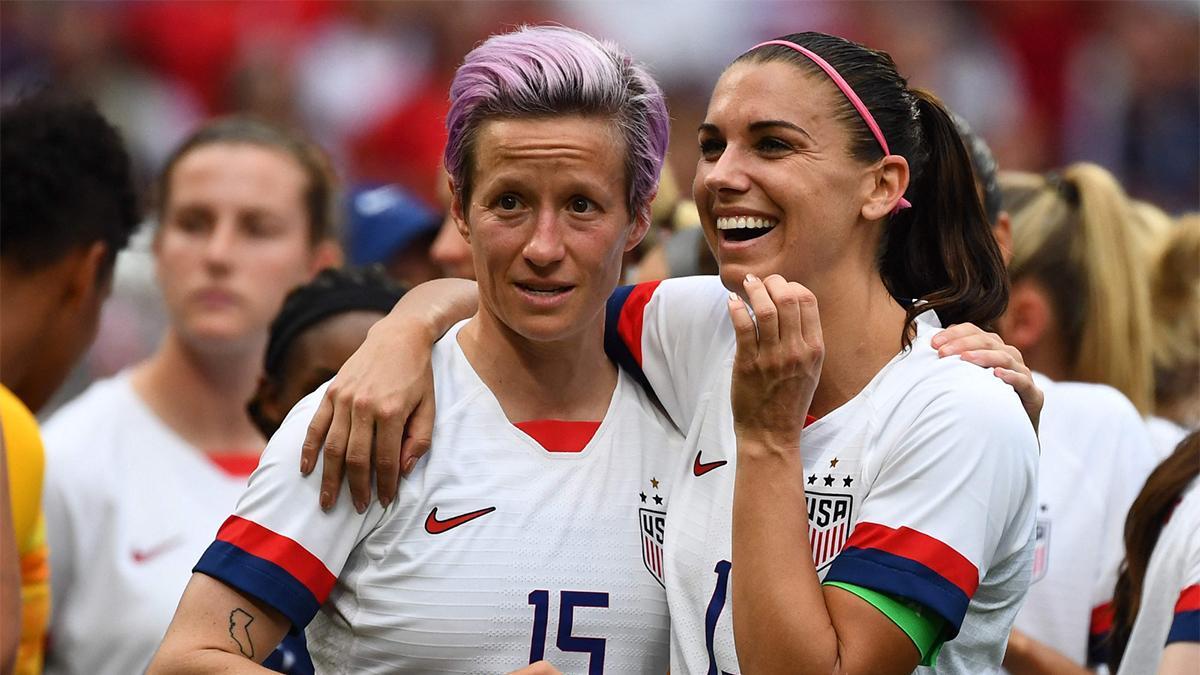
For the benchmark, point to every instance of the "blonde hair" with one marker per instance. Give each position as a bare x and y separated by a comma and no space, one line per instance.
1072,232
1175,291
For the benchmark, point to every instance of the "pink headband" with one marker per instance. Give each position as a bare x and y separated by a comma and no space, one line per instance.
853,97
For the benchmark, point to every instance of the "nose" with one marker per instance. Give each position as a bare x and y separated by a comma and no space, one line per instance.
727,174
221,244
545,245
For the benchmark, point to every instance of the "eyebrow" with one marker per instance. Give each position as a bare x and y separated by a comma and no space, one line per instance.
757,126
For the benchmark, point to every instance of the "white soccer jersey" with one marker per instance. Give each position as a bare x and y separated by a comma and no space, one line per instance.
922,486
496,552
1166,434
1096,454
129,508
1170,606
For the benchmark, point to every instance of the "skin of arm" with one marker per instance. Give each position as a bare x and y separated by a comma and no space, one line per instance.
792,624
218,629
1027,656
370,405
10,573
1180,658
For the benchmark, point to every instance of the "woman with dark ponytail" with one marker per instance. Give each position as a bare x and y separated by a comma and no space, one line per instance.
1156,607
900,518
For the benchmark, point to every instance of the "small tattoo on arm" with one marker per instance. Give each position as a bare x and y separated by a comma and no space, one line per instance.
239,630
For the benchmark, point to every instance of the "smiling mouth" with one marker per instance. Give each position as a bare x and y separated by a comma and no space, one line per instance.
744,228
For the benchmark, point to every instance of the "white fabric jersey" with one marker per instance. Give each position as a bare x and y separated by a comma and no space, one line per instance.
1170,606
129,508
495,553
1096,454
922,486
1166,434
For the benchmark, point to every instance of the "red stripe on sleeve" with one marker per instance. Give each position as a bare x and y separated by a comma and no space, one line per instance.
629,326
1102,619
919,547
1189,599
260,542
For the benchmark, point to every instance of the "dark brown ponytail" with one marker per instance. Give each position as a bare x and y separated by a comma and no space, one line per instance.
1146,518
942,250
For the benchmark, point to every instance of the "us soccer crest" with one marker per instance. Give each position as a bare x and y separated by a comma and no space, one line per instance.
1041,549
830,517
652,522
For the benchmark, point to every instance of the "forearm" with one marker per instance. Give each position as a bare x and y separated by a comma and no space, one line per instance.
1026,656
201,662
436,305
781,622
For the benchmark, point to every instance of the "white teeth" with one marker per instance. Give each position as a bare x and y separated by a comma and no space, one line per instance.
741,222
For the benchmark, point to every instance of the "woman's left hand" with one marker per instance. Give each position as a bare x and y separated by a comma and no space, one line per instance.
987,350
778,362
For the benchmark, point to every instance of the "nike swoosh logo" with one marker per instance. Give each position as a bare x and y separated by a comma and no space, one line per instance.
435,526
699,469
142,556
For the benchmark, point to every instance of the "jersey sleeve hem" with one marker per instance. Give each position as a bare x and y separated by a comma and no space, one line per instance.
270,567
925,631
1185,627
907,564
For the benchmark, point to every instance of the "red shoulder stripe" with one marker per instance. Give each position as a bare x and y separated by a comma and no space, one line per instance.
1189,599
262,543
919,547
629,326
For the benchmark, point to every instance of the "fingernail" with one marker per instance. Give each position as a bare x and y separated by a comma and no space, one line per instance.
384,501
733,297
326,500
359,506
409,464
304,465
750,278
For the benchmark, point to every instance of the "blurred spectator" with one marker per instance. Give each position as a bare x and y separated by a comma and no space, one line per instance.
143,467
389,226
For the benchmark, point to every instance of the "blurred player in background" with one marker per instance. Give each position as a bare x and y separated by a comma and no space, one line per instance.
319,327
537,528
1080,307
1174,257
1157,605
142,467
68,206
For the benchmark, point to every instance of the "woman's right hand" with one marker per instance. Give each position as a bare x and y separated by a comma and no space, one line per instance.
378,411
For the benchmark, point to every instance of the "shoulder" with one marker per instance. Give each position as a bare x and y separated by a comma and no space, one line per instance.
86,428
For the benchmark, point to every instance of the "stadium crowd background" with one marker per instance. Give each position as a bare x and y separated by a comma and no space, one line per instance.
1045,83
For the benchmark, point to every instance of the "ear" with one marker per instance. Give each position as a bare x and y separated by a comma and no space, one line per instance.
327,253
457,213
1003,232
263,409
1028,318
641,225
83,282
889,180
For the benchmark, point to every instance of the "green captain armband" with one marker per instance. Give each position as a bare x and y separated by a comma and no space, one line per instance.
921,626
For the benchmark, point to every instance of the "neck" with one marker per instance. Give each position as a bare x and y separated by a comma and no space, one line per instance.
28,302
569,379
862,325
202,396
